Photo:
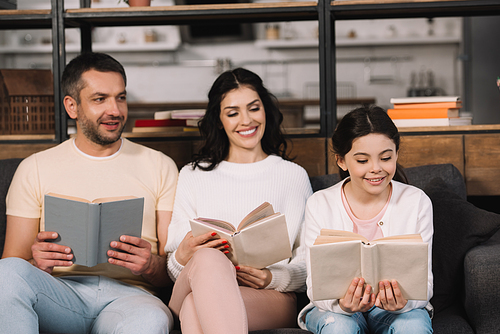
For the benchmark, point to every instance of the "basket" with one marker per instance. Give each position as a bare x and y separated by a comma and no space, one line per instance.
26,102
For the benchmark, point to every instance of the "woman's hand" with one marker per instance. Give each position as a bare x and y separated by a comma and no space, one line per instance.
357,300
189,245
389,297
254,278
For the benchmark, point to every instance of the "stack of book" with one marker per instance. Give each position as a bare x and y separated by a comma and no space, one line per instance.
170,121
159,125
191,116
427,111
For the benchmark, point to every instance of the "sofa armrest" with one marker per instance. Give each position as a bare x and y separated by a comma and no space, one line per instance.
482,287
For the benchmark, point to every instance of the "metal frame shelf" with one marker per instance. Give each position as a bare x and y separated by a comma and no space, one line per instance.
185,14
25,19
326,12
382,9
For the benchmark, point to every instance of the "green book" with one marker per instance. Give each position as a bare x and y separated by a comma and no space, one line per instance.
88,227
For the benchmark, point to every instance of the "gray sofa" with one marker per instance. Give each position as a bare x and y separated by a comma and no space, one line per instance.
466,250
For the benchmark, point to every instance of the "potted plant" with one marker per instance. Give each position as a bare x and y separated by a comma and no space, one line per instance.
136,3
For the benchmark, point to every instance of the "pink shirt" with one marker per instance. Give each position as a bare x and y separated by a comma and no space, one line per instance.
369,228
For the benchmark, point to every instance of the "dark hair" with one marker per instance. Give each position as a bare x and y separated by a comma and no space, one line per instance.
72,83
361,122
216,144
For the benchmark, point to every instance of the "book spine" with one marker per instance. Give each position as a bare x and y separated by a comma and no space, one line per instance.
369,265
422,113
235,249
159,122
93,222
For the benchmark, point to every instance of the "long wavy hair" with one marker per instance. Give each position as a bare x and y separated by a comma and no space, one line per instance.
215,141
361,122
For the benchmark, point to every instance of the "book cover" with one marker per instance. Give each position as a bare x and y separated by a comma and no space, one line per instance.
457,104
424,99
423,113
88,227
188,114
162,115
259,240
159,122
339,256
158,129
192,122
414,122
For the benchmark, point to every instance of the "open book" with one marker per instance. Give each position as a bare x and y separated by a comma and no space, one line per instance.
259,240
339,256
88,227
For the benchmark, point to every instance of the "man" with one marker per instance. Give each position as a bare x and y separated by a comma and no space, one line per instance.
40,287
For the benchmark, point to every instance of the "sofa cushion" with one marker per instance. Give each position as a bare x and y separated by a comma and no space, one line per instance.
458,226
7,169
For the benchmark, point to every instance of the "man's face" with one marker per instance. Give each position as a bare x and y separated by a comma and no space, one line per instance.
102,112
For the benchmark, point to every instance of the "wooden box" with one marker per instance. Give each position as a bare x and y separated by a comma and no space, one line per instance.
26,102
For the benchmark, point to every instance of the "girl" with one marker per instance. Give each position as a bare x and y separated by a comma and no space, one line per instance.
241,164
372,200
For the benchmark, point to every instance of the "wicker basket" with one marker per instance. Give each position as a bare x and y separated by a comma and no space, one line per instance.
26,102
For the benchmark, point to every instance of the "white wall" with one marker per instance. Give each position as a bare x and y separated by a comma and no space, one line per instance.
187,73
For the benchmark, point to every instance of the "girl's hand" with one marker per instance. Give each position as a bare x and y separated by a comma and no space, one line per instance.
355,300
189,245
389,297
254,278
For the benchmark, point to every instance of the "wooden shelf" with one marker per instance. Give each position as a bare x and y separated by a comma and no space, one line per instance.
175,15
370,9
461,129
26,137
25,19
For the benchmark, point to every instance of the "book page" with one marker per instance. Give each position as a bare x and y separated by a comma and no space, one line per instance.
340,233
216,224
112,199
401,238
262,211
71,198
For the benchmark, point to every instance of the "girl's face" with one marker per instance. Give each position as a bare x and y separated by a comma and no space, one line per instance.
371,163
244,120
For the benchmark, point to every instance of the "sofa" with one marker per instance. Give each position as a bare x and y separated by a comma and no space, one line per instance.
466,250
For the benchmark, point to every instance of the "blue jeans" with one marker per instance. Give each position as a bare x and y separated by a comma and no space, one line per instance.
376,321
32,300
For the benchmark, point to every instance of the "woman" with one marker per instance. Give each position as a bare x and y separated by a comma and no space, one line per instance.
242,164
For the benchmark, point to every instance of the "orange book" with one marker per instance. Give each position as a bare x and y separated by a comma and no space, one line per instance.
423,113
457,104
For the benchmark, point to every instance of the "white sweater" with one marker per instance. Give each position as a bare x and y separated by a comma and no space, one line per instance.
409,211
230,192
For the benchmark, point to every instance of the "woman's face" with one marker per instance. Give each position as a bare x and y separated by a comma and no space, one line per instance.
244,120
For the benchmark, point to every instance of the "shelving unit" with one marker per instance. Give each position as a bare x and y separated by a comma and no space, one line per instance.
323,11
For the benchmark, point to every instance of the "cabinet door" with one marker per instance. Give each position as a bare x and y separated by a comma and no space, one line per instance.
432,149
482,172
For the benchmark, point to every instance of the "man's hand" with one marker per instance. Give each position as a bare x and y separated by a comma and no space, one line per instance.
254,278
132,253
189,245
355,300
47,255
389,297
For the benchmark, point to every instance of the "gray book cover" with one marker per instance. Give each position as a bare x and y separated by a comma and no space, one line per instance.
88,228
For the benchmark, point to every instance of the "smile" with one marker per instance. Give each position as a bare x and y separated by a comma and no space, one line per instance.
375,180
247,132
